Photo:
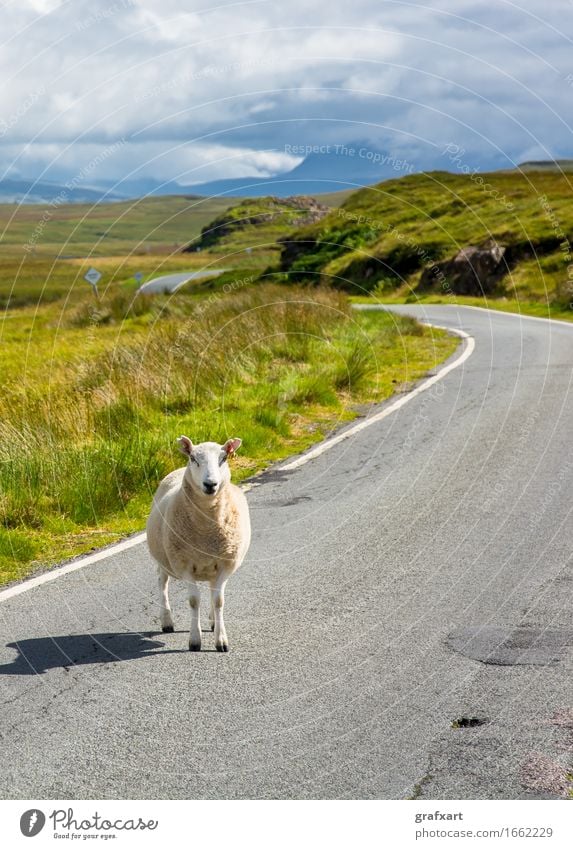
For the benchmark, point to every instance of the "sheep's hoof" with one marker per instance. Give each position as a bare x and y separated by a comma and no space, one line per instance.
222,646
168,629
194,646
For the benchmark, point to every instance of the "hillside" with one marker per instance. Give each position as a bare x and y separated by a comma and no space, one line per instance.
324,168
385,237
36,191
555,165
106,229
253,222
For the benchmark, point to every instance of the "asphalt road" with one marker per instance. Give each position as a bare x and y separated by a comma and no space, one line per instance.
170,283
416,574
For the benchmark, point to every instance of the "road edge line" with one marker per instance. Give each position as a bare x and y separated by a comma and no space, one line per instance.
73,566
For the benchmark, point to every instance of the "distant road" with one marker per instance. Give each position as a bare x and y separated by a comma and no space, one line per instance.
414,578
169,283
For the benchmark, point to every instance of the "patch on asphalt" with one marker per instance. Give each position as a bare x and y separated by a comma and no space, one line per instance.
469,721
290,502
545,776
509,646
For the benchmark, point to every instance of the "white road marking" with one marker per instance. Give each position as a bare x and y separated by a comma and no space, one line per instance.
503,312
80,563
31,583
377,307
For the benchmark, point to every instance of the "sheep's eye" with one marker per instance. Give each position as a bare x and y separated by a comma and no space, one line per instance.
223,459
193,460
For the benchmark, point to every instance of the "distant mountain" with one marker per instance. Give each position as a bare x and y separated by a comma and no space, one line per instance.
327,168
145,187
30,191
547,165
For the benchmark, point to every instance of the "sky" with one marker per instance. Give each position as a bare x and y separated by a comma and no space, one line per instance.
196,91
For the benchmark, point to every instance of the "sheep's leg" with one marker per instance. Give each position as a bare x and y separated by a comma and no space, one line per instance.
218,602
165,616
195,605
212,614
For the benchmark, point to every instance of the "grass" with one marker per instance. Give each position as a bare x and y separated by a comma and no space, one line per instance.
95,393
31,281
107,229
90,411
252,224
383,236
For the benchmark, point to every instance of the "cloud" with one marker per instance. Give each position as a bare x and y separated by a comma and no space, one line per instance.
202,92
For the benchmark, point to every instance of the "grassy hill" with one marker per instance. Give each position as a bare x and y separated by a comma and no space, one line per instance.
107,229
256,223
144,225
556,165
382,237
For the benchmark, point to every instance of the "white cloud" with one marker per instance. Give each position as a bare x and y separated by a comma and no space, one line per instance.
188,164
42,7
191,87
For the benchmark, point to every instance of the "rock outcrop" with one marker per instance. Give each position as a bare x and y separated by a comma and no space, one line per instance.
475,270
257,212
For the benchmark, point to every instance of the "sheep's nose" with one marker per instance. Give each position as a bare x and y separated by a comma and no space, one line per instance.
209,487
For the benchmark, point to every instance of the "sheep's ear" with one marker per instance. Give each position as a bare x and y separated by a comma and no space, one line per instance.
232,445
185,445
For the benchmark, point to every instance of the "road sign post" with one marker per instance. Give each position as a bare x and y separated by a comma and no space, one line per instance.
93,276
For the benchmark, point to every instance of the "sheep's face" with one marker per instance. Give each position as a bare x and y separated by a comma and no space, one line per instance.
208,468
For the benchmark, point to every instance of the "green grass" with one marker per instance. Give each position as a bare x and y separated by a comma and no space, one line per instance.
383,236
252,224
107,229
90,412
33,281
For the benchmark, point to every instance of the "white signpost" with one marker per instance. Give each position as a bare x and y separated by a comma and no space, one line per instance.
92,275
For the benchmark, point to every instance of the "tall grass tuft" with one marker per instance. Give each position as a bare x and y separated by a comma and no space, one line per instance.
100,437
116,308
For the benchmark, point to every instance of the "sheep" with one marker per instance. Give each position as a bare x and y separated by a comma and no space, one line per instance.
199,530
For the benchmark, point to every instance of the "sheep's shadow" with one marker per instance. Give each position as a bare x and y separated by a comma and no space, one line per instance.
40,654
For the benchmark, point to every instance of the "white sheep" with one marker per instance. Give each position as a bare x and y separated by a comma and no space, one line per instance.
199,531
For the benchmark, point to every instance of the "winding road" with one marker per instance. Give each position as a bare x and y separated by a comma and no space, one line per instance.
168,284
402,626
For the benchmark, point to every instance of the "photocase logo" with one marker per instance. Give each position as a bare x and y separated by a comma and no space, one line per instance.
32,822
